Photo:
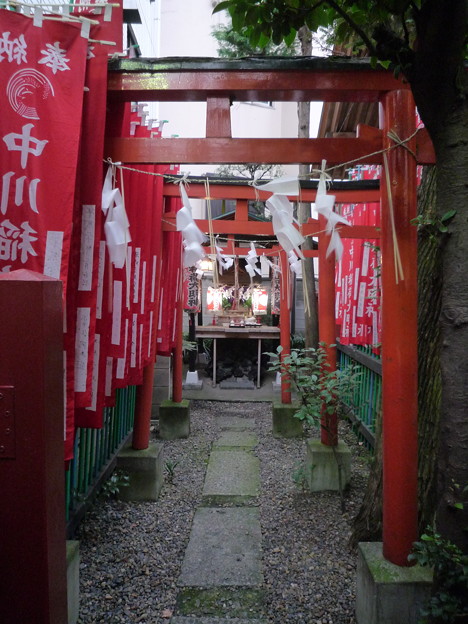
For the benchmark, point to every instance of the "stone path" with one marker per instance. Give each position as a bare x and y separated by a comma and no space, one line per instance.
221,577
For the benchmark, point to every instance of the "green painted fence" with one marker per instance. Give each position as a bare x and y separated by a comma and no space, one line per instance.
367,396
95,454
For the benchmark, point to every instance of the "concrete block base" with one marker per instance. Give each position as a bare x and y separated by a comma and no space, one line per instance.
321,466
145,470
285,425
276,385
192,382
387,593
174,420
73,580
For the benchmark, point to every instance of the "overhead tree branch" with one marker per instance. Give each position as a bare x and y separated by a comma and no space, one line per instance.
353,25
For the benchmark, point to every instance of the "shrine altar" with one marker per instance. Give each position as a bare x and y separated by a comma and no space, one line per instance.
252,332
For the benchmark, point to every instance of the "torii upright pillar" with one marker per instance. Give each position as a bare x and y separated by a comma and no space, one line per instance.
327,325
385,590
285,322
399,332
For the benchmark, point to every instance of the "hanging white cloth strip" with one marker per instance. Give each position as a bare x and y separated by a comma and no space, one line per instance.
117,225
192,236
324,205
224,262
285,185
282,218
251,262
295,263
274,267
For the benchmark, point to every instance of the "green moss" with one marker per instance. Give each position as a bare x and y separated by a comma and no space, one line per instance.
221,500
221,601
383,571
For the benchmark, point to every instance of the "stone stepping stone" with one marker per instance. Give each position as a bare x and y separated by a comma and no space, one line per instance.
232,473
224,548
235,439
235,423
222,602
184,619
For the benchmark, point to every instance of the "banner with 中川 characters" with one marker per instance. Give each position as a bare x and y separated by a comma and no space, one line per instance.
42,70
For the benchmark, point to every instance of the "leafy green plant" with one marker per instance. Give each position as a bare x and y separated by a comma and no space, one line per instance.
169,468
321,391
118,480
299,476
188,345
297,341
434,225
449,601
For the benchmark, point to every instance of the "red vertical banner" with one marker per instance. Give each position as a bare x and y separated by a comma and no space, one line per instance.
86,341
42,73
170,279
357,277
42,70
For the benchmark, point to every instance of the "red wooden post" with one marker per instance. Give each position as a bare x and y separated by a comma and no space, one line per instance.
399,336
144,398
177,369
285,321
33,586
327,328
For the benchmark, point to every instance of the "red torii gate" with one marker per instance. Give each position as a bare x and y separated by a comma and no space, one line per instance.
220,82
241,225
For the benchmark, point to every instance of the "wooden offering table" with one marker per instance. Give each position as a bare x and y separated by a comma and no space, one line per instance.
249,332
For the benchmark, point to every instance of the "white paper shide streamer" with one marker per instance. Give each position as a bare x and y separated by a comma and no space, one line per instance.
192,236
324,204
251,260
117,225
224,262
282,217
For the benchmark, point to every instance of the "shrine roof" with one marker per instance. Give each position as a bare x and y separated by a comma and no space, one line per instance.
261,78
248,63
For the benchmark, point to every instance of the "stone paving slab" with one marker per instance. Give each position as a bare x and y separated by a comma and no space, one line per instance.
235,423
232,473
224,549
237,383
221,602
213,620
236,439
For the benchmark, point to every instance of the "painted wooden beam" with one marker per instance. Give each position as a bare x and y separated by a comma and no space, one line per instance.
265,228
232,151
225,191
192,80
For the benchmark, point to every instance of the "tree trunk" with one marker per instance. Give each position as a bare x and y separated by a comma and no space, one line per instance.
429,387
303,213
367,526
451,146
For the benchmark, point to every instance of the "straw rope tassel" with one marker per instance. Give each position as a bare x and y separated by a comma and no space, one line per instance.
211,234
396,250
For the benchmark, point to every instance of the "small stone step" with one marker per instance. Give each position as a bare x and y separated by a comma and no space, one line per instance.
184,619
243,603
235,423
235,440
232,473
224,549
237,383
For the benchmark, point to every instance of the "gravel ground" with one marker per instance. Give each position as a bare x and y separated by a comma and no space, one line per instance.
131,553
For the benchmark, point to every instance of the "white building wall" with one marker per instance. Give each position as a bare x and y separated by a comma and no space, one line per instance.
182,28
